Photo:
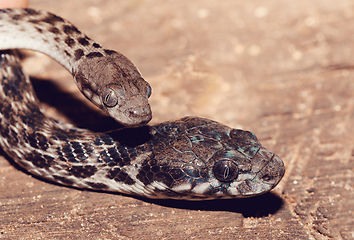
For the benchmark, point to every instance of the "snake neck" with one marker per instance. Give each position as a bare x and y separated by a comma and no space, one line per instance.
47,33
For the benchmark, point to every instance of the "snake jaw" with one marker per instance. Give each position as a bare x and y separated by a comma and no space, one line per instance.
263,180
273,172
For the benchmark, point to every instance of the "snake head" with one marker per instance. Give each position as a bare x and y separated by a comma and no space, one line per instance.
114,84
202,159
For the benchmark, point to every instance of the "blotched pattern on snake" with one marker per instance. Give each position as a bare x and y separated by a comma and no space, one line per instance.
190,158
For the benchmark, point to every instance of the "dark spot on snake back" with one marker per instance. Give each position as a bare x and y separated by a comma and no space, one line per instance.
39,160
67,53
33,139
97,185
113,172
94,54
96,45
54,30
83,171
42,141
64,180
106,139
69,41
10,134
118,175
88,148
52,19
67,153
84,41
69,29
78,149
39,30
150,173
113,152
105,157
122,176
58,134
31,11
109,52
98,141
78,54
34,21
16,17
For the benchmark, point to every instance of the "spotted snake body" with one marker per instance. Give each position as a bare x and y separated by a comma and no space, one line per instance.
190,158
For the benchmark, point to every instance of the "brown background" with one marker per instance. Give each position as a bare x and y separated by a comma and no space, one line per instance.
282,69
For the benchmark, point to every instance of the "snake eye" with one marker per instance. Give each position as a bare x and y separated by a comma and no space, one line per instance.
110,98
149,90
225,170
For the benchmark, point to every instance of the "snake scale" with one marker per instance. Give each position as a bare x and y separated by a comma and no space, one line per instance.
191,158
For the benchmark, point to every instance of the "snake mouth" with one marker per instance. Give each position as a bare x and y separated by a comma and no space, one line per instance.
131,117
139,117
265,179
272,172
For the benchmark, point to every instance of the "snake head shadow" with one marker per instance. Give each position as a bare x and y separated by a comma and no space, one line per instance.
114,84
196,159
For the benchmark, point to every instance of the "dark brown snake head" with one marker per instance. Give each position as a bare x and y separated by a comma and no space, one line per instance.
114,84
196,158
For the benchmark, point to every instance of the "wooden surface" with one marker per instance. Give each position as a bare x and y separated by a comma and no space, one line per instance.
282,69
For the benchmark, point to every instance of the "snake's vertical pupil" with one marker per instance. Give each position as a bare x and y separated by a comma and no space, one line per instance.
225,170
110,98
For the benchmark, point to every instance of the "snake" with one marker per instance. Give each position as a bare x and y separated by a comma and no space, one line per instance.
191,158
107,78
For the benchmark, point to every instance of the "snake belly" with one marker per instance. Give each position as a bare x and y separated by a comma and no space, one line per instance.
191,158
107,78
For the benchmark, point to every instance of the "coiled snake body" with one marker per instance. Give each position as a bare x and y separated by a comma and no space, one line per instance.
190,158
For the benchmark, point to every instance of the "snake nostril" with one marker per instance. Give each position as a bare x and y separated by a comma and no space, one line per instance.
138,112
267,177
139,116
133,113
